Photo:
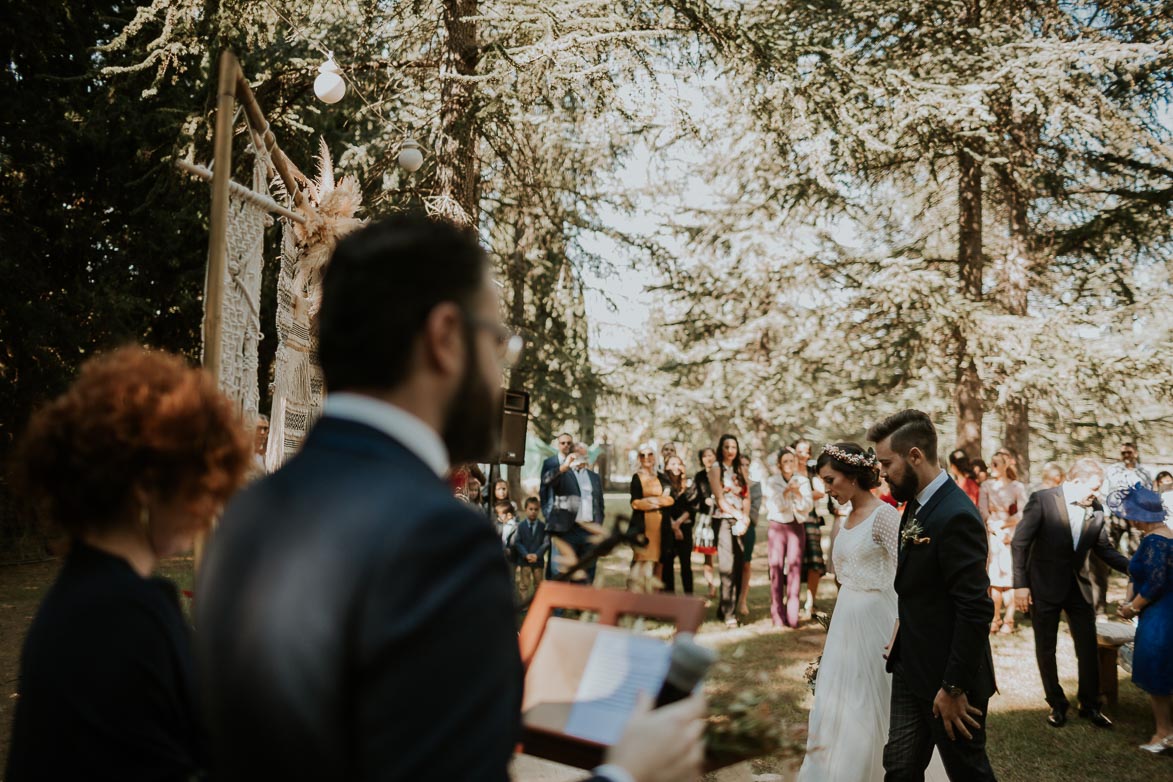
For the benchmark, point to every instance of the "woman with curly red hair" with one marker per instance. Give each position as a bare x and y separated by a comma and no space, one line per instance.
131,463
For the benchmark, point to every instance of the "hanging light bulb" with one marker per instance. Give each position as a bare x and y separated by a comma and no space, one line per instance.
329,86
411,157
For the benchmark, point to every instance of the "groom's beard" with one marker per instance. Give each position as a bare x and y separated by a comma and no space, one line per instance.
472,428
905,489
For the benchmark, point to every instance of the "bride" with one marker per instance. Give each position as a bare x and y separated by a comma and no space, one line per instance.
849,721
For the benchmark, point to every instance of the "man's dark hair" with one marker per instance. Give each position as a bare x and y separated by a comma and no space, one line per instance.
960,460
1129,445
533,501
379,287
908,429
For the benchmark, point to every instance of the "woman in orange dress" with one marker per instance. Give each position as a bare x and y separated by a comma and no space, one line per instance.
649,493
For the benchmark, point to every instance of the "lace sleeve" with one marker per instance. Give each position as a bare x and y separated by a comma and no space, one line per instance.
1019,500
1153,560
886,529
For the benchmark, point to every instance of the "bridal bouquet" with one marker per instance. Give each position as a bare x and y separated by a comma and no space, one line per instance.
744,725
811,675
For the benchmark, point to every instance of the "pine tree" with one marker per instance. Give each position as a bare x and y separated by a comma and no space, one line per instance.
934,163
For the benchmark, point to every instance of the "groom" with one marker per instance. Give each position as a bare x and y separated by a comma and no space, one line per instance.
942,670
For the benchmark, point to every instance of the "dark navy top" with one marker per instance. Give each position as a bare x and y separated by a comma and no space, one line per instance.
106,680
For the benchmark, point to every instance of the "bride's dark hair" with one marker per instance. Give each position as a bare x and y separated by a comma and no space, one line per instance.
867,475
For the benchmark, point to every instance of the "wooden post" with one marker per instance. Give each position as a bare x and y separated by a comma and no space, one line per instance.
218,222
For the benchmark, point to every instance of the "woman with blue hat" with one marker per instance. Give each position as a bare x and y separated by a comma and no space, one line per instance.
1152,576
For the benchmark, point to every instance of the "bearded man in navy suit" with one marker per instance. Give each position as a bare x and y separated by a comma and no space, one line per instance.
356,620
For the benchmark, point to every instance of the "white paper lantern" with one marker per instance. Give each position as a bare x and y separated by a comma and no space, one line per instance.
411,157
330,87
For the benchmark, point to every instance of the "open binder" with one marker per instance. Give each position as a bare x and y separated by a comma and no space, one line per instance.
563,657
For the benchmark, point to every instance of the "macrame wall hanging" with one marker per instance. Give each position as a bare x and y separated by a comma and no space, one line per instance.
240,317
305,250
316,215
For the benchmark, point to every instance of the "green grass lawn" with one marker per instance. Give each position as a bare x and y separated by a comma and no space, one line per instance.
1022,747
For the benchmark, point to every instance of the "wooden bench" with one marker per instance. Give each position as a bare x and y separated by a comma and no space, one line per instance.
1110,636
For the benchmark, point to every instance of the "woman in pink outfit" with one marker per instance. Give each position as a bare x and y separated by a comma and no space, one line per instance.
787,507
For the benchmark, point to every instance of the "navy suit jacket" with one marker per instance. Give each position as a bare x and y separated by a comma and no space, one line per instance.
556,485
357,622
945,608
531,542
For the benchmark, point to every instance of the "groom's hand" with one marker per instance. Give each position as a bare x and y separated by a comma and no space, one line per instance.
956,713
1022,600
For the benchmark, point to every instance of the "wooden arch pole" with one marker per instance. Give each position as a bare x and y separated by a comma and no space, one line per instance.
218,221
233,87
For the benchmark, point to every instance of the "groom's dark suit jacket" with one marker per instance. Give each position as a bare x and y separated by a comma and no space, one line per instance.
1046,558
356,622
945,606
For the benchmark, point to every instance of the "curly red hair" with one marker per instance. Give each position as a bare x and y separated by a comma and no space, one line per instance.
134,418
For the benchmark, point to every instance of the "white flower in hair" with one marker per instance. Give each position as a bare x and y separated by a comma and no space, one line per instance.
857,459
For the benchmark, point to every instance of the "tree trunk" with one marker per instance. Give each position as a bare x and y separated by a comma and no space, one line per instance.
1016,433
457,166
1013,287
967,395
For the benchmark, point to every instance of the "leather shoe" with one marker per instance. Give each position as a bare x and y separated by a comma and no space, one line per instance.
1095,717
1057,718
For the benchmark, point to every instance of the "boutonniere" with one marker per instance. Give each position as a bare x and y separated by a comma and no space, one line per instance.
913,533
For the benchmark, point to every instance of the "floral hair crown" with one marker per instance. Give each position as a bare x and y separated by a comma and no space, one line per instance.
858,459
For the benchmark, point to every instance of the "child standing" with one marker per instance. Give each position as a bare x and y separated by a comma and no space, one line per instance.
507,530
530,545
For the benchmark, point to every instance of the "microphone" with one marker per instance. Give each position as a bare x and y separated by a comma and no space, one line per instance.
687,667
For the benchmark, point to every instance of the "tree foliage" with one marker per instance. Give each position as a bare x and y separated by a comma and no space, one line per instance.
831,269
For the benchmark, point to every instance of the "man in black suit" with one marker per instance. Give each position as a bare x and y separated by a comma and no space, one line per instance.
554,470
942,669
1060,527
356,620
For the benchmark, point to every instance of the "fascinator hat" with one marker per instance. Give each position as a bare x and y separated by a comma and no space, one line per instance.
1137,503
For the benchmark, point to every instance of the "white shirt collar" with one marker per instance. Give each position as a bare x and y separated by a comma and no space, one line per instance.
1069,495
400,425
931,489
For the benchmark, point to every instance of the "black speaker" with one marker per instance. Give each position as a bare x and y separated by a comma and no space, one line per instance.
514,424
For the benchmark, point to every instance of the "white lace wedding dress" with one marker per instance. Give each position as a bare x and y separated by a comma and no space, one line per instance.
849,721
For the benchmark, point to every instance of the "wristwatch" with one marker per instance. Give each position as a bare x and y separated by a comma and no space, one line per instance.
952,690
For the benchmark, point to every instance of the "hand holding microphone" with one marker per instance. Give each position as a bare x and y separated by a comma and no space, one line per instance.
686,669
665,744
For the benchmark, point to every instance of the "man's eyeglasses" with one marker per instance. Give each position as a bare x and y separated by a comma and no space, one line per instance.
509,345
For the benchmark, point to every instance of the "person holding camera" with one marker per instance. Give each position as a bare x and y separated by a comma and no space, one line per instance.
572,494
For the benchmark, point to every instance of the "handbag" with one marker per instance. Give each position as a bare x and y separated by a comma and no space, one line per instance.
702,535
